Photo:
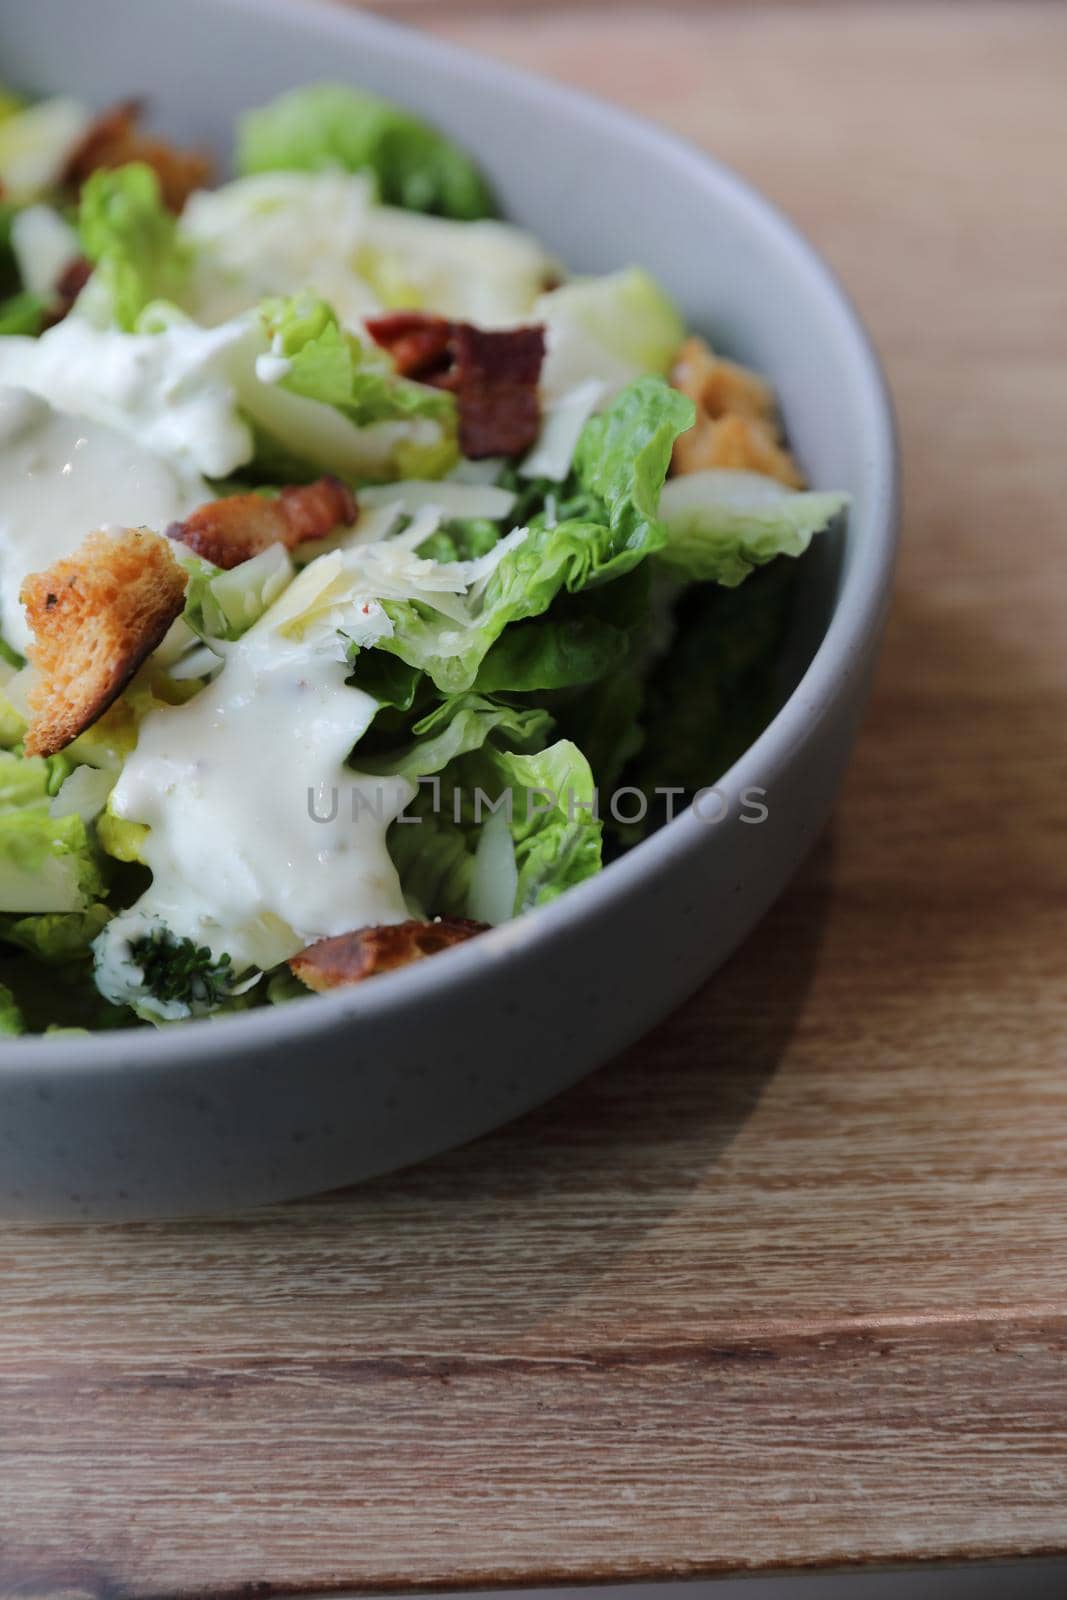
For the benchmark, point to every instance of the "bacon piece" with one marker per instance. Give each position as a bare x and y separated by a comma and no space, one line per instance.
496,389
115,139
419,343
95,616
493,373
352,957
238,527
737,419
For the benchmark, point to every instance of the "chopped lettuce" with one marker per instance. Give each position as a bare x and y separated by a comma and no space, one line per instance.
22,312
133,242
323,362
328,125
276,234
502,830
35,143
11,1021
622,460
46,862
719,685
720,524
224,604
623,456
614,329
454,728
57,937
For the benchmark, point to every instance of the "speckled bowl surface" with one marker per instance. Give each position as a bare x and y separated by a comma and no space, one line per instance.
278,1103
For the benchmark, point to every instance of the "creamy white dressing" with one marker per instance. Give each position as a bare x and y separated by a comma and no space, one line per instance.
261,839
62,478
188,393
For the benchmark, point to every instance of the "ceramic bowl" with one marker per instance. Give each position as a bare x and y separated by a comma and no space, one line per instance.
278,1103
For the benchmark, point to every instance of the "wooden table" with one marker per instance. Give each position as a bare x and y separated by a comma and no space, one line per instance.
787,1285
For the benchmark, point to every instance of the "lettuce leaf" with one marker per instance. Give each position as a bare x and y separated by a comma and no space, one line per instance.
47,863
507,823
622,460
612,328
11,1021
22,312
452,729
714,692
623,456
331,125
325,363
721,525
133,242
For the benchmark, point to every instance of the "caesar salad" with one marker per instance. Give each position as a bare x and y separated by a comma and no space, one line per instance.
352,554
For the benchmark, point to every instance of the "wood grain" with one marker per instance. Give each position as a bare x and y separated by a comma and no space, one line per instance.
786,1286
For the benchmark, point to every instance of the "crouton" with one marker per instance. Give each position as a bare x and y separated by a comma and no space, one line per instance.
114,139
737,420
351,957
95,616
229,531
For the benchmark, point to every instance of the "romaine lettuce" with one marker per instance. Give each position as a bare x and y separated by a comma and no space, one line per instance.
622,460
613,328
331,125
720,524
133,242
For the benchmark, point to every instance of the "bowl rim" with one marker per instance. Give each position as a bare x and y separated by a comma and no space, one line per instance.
857,614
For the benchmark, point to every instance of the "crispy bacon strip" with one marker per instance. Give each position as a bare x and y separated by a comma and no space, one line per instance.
352,957
234,529
95,616
115,138
737,419
419,343
493,373
496,389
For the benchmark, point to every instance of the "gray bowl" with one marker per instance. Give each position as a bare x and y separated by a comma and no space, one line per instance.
278,1103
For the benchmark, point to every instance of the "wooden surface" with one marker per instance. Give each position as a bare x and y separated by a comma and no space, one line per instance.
787,1285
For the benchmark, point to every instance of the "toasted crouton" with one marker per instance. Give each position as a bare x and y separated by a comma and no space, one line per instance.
737,420
114,139
95,616
351,957
237,527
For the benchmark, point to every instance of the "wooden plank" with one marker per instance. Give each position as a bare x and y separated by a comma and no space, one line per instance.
787,1285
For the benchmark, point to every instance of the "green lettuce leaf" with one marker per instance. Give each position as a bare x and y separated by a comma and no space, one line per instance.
623,456
557,839
47,863
133,241
10,1015
622,460
716,689
330,125
506,826
612,328
22,312
721,524
224,604
453,729
328,364
56,937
